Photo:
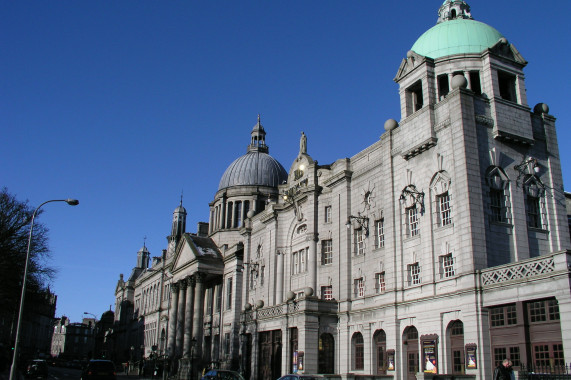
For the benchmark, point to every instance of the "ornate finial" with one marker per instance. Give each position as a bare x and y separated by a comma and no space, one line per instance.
181,194
145,241
258,118
454,9
303,144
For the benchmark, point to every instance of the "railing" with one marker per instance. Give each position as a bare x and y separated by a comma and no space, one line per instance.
545,372
270,312
519,270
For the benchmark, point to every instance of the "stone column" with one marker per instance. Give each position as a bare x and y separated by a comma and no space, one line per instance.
180,317
172,319
280,278
198,313
367,349
312,265
188,312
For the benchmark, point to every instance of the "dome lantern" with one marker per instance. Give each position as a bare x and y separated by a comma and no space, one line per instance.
454,9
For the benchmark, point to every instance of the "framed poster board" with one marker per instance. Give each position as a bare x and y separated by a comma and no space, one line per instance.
429,356
390,360
471,358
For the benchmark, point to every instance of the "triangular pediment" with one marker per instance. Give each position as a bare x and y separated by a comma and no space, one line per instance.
196,251
508,51
412,61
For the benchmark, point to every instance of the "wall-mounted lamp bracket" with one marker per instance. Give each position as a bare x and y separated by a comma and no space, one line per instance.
362,220
416,197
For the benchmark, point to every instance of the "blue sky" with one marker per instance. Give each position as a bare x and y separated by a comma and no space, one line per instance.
126,104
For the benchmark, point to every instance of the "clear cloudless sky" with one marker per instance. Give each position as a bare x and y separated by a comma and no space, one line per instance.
126,104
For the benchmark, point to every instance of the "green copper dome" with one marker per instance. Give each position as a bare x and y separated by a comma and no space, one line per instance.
455,32
459,36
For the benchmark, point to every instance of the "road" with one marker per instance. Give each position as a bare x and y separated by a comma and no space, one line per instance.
61,373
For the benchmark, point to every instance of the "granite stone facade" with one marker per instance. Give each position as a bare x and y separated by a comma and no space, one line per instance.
442,248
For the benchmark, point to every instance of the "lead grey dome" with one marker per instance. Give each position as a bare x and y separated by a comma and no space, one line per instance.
256,167
253,169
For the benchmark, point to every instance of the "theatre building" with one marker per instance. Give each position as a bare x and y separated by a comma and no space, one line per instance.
442,248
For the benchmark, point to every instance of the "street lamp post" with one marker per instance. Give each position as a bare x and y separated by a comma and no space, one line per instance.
93,332
71,202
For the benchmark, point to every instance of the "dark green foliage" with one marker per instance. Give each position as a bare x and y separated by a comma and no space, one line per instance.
15,217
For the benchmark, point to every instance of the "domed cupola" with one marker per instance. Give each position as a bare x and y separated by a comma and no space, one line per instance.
456,32
256,167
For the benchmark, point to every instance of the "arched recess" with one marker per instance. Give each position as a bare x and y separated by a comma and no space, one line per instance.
357,352
326,356
456,354
380,350
410,352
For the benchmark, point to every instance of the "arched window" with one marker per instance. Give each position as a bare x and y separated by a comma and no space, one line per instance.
358,352
410,352
456,344
380,349
326,358
498,182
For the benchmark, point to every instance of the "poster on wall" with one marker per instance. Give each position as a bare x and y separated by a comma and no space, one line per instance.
294,359
390,360
471,361
300,361
429,356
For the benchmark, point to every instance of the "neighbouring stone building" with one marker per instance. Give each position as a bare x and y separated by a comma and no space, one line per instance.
442,248
72,340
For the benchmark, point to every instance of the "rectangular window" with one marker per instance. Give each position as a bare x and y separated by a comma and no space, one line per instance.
447,266
238,216
302,261
379,233
412,221
445,216
475,84
380,282
553,310
295,262
558,357
536,311
229,293
218,297
327,214
541,355
326,252
359,287
414,274
209,301
506,83
511,315
497,205
514,356
227,344
533,212
443,87
359,242
497,316
414,99
499,355
359,357
327,293
229,215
